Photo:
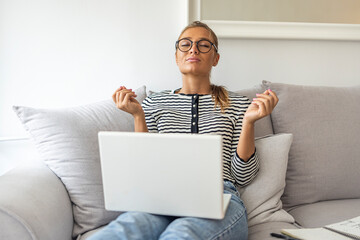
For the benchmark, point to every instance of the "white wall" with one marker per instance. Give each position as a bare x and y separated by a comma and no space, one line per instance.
244,63
14,152
60,53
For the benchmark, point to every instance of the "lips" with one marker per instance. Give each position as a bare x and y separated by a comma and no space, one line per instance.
193,59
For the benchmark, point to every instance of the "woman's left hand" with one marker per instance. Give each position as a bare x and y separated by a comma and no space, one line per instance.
261,106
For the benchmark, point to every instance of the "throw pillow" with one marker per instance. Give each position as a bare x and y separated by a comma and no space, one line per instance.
67,141
262,196
324,156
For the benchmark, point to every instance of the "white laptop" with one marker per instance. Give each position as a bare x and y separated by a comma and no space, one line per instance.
167,174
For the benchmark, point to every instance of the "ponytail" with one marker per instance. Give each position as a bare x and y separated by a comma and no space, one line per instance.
221,97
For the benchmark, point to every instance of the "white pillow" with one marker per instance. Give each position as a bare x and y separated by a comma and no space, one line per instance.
67,141
262,196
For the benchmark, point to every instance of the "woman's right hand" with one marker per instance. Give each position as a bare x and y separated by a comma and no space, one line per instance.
125,100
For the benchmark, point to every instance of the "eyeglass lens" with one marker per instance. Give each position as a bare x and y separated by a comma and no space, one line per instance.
203,46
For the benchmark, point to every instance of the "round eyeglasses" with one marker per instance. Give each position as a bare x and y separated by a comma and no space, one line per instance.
204,46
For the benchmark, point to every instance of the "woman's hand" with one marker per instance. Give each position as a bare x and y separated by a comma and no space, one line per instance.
261,106
125,100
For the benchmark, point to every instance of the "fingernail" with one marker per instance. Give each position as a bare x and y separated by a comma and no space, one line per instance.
257,94
270,90
254,99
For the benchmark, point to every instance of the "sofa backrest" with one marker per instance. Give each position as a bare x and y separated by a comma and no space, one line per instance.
324,162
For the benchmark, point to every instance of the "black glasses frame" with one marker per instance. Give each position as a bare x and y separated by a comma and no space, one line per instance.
197,45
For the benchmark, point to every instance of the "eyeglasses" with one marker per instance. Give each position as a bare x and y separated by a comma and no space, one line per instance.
204,46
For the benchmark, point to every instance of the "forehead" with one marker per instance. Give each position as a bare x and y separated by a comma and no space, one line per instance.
197,33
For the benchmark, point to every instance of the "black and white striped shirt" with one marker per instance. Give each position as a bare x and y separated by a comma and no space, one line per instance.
169,112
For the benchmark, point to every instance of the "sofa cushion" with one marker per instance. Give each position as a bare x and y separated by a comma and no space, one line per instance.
323,213
262,231
89,234
34,204
262,196
324,157
67,141
263,126
256,232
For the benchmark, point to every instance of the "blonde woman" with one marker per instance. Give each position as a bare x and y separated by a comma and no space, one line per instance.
197,107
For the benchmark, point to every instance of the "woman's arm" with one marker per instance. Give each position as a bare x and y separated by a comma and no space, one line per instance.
125,100
246,145
140,123
260,107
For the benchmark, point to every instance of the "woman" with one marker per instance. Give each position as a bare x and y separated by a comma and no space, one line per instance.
197,107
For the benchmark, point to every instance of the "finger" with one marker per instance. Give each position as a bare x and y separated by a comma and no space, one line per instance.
117,99
266,99
274,95
261,106
114,97
268,96
114,94
266,92
264,106
264,95
124,94
127,99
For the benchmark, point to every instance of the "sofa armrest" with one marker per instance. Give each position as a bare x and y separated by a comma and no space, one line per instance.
34,204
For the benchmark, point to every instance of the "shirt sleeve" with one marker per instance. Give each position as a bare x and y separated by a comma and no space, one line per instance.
148,107
243,172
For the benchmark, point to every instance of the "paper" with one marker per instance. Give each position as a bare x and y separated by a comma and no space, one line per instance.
314,234
349,227
345,230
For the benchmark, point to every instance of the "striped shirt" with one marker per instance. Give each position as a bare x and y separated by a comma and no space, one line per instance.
169,112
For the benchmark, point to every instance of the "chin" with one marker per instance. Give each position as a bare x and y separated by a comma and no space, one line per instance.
194,71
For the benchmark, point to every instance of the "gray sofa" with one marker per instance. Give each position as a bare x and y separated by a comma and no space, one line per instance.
309,173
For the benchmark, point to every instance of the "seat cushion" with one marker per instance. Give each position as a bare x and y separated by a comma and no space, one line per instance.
67,141
257,232
89,233
262,231
326,212
324,156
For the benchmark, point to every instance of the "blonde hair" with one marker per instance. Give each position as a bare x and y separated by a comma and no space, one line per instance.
219,93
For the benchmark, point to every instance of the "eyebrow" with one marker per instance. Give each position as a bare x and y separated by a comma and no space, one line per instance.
190,38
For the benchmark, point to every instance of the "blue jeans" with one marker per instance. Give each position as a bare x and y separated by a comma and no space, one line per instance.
139,225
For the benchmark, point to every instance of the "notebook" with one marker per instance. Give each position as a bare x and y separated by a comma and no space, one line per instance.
167,174
345,230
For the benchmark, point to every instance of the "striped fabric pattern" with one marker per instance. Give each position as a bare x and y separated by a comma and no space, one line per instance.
168,112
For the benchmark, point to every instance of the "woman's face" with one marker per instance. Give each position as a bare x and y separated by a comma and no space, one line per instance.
195,62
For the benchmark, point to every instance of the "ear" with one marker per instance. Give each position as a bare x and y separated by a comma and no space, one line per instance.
216,59
176,60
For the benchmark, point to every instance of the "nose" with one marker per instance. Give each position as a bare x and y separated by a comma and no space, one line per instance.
194,49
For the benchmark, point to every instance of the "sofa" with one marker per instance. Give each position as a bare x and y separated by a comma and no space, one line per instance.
309,151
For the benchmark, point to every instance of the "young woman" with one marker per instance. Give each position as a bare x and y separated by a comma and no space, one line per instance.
197,107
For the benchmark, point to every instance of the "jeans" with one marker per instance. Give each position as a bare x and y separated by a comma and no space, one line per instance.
139,225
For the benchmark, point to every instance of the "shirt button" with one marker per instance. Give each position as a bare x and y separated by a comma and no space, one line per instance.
194,115
194,123
195,96
194,105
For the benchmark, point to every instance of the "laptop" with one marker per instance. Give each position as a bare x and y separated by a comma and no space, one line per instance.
166,174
